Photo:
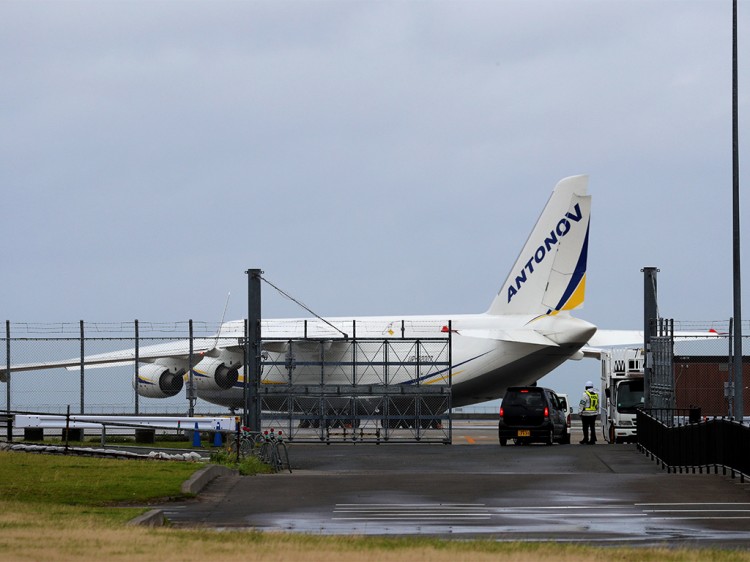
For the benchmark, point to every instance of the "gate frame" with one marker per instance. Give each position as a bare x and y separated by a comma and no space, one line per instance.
421,426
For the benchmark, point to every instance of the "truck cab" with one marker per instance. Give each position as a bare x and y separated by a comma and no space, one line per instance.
622,384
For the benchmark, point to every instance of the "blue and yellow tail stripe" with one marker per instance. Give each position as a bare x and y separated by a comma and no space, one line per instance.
576,290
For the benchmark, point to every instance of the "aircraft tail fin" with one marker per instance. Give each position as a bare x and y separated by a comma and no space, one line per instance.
549,275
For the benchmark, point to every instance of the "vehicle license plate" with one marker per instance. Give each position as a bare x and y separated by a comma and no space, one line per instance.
524,433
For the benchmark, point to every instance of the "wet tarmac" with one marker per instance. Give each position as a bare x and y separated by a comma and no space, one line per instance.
605,494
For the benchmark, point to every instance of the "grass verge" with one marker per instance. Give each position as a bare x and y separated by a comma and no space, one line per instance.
72,508
247,466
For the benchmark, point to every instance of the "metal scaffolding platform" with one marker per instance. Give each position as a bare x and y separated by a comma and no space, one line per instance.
394,389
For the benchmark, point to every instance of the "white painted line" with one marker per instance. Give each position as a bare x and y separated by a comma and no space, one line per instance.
411,504
414,518
696,503
582,515
696,510
694,518
565,507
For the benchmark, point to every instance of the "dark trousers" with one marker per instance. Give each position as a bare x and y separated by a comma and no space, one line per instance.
589,425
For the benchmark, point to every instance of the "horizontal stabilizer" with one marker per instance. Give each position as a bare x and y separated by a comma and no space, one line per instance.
514,336
614,338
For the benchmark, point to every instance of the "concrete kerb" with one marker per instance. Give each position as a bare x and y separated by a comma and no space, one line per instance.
202,477
192,486
152,518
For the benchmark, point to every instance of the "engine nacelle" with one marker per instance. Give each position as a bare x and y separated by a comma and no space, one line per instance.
214,373
158,381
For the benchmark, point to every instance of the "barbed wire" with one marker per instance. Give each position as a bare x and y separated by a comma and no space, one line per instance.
180,329
717,325
67,328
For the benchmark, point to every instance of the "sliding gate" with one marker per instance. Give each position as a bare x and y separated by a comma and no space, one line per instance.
386,389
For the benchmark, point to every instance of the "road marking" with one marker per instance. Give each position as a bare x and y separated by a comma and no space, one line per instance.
565,507
695,503
695,518
696,510
410,511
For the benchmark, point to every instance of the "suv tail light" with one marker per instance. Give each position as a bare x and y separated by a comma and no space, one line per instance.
546,412
502,412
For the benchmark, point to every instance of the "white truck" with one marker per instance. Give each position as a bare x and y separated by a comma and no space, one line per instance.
622,389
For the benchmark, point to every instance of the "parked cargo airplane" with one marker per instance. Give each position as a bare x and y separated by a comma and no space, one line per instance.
527,331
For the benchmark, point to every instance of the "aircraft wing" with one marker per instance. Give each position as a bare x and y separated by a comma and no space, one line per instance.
175,349
615,338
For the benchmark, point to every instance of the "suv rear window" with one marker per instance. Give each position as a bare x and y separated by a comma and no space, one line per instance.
530,398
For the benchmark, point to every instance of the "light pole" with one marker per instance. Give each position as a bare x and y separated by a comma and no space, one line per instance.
737,358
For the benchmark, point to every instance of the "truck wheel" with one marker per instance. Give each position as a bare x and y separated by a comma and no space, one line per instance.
612,440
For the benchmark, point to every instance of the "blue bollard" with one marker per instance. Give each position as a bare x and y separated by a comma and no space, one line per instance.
218,441
196,436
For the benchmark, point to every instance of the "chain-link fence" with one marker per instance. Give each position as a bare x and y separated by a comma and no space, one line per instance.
703,376
694,371
318,379
660,386
67,375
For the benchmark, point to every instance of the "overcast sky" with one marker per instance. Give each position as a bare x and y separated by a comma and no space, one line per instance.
370,157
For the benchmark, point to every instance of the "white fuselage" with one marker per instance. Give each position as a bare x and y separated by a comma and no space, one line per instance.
487,352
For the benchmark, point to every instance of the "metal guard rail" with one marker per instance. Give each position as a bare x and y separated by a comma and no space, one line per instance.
680,439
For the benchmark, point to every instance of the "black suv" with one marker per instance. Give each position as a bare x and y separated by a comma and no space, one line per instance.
532,413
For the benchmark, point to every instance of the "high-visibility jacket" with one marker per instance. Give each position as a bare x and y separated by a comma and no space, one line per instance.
593,402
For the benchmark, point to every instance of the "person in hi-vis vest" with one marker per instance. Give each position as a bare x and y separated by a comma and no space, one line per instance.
589,409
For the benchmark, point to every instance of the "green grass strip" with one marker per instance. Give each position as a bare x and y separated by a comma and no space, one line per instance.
75,480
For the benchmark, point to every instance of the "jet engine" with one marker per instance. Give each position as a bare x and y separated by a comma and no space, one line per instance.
215,373
158,381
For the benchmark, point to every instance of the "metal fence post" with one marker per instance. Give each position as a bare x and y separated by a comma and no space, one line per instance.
650,314
82,366
135,374
7,374
354,352
323,409
246,378
450,381
191,381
